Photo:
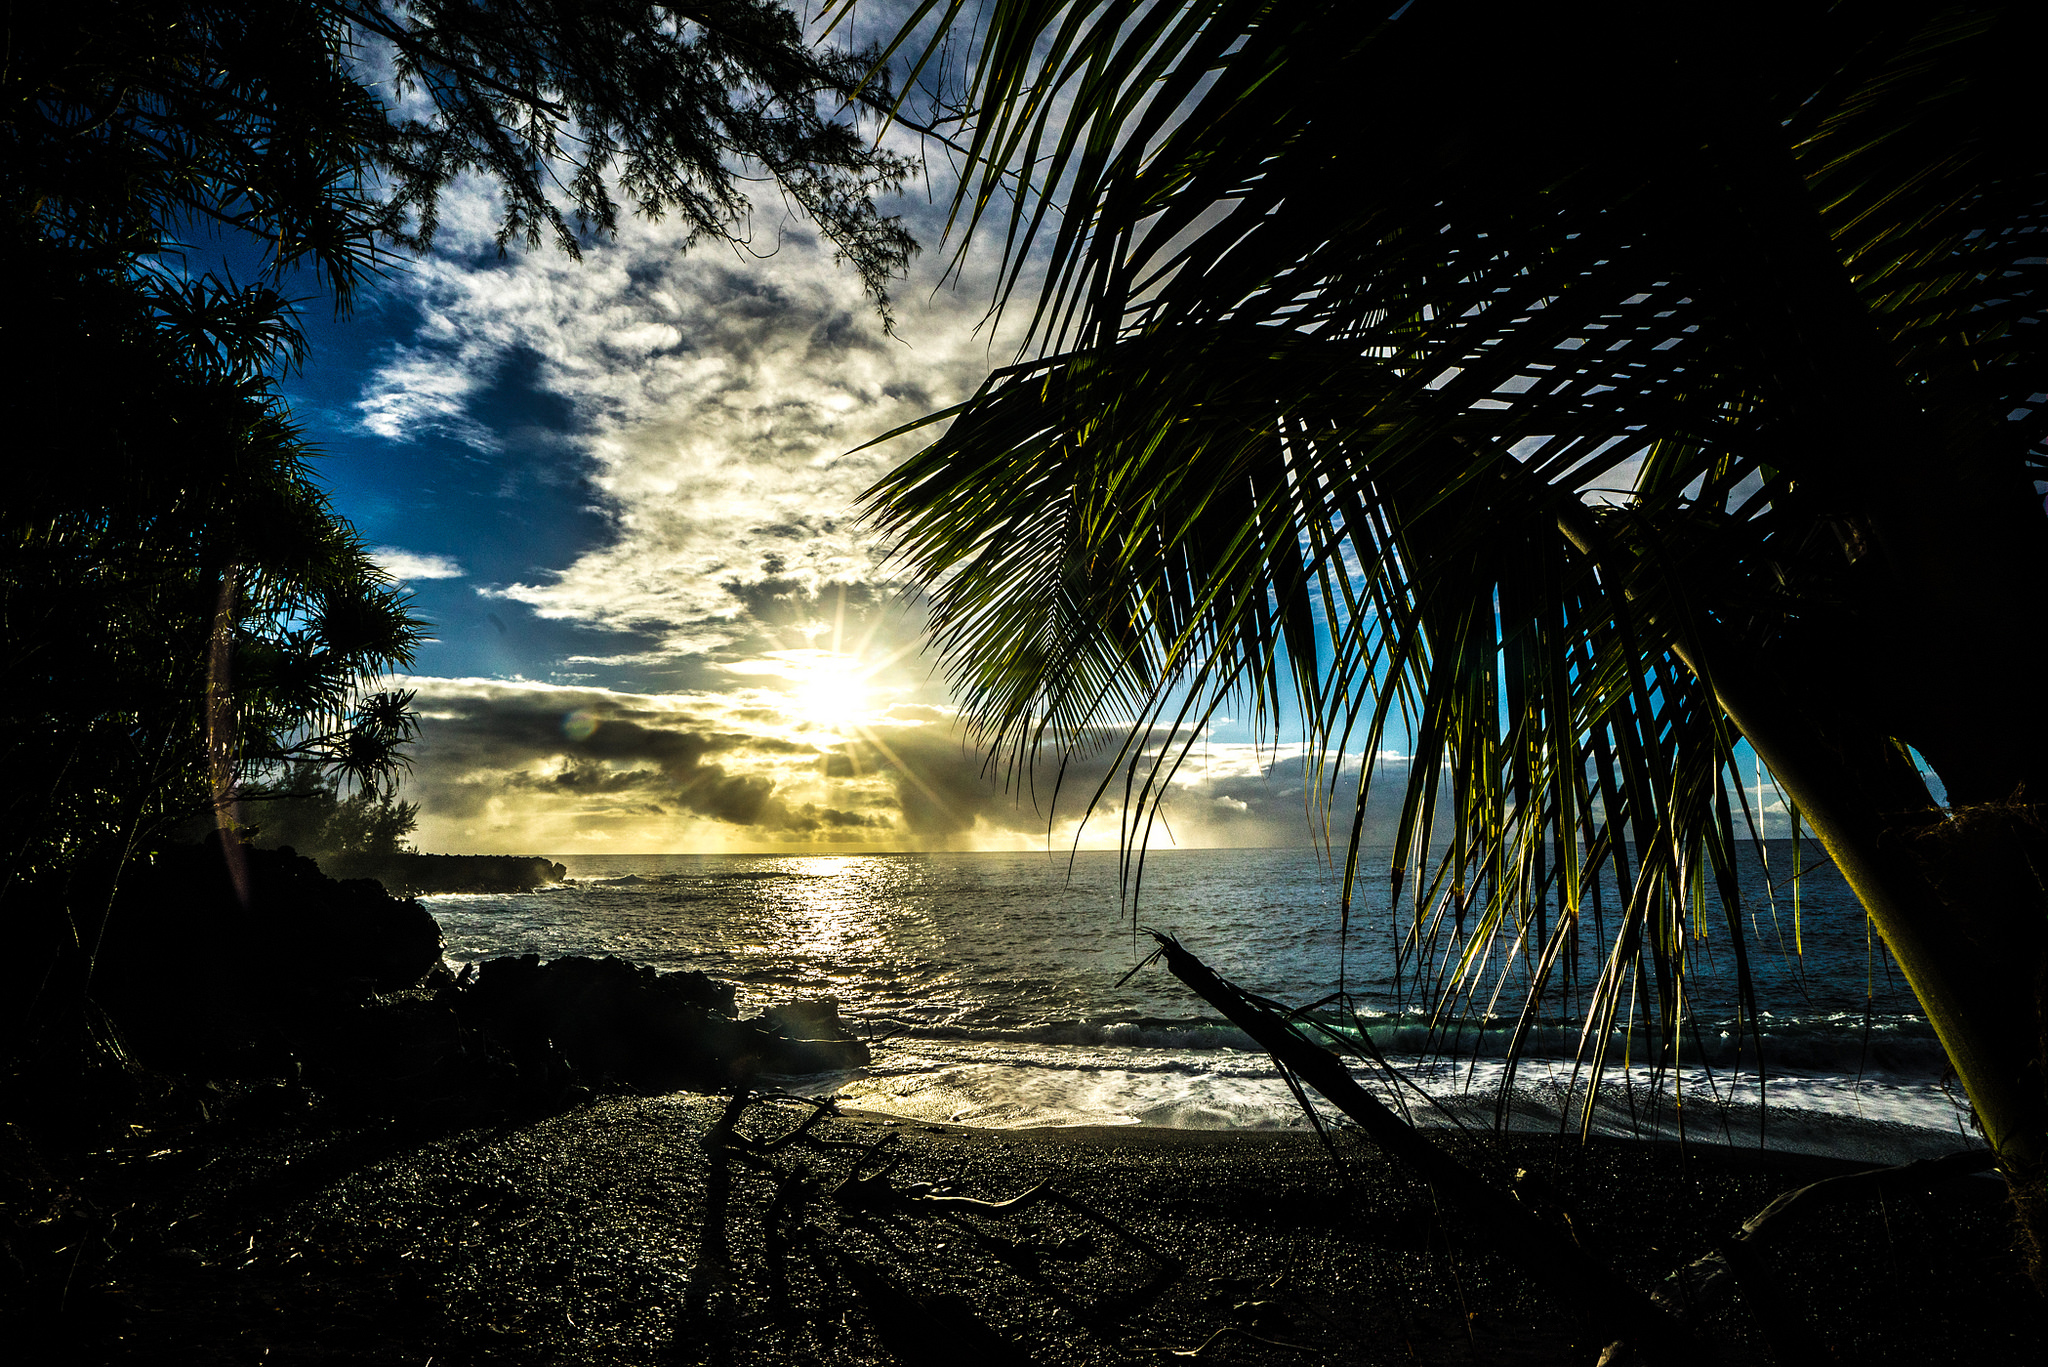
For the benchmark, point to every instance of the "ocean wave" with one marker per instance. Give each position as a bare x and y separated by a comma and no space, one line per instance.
1013,1055
1010,1085
1834,1044
711,883
1197,1035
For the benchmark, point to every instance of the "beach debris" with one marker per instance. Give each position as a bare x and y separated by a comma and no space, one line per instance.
874,1192
1693,1292
722,1134
1233,1331
1626,1316
869,1187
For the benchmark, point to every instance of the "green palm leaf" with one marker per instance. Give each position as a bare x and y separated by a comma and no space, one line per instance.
1344,323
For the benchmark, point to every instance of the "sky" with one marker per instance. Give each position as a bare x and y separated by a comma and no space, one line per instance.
622,490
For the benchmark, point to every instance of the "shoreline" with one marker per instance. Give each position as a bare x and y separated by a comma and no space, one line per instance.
602,1234
1091,1134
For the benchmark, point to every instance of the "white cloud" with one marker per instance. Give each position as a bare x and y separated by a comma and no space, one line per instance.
411,565
415,393
718,399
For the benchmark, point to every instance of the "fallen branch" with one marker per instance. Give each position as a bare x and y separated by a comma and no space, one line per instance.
1022,1201
1241,1333
1703,1285
875,1193
819,1111
1625,1313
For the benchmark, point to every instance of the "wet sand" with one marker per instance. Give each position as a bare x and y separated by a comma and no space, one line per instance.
602,1234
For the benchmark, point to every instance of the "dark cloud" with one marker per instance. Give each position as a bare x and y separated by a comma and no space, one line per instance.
546,744
609,762
782,601
945,789
744,800
587,778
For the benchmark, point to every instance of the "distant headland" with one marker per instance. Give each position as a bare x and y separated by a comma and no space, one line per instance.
406,873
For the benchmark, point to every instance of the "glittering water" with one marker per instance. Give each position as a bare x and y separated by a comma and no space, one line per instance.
998,982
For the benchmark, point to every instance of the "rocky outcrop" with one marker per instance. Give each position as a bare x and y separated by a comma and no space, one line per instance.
233,962
810,1039
612,1021
407,874
216,954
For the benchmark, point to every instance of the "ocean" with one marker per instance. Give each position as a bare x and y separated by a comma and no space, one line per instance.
995,988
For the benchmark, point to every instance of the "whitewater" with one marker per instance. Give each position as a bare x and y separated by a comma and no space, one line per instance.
998,991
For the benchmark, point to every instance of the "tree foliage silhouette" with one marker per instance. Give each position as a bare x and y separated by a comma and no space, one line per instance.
1571,394
307,811
183,613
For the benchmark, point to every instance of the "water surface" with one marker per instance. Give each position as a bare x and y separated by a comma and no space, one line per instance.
1001,989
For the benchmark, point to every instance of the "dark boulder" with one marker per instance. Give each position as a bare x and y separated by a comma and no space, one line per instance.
810,1038
410,874
615,1021
213,951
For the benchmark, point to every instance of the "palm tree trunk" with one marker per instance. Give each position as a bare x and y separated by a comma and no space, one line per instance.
1935,646
1960,901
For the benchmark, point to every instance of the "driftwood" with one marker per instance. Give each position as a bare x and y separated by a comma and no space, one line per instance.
712,1274
1232,1331
1623,1313
906,1321
875,1193
1697,1290
1705,1283
1660,1321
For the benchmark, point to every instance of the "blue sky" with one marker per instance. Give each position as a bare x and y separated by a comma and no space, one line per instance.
622,491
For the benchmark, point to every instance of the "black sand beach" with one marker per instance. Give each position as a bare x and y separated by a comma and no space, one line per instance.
593,1236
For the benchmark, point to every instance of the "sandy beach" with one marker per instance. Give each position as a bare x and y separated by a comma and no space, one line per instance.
594,1235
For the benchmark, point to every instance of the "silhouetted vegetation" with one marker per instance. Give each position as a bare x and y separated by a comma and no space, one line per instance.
308,812
1560,397
185,619
362,834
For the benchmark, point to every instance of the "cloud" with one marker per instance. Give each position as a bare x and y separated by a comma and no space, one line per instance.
416,394
525,767
497,758
409,565
720,404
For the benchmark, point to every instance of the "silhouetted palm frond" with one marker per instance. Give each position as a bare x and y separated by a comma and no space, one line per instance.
1568,395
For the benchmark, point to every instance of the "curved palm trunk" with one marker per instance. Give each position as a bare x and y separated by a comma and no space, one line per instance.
1962,903
1939,644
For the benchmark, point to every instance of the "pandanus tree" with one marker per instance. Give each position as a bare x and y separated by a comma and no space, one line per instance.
181,610
1576,393
183,616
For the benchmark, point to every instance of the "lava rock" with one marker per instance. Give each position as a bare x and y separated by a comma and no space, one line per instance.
611,1020
215,945
810,1038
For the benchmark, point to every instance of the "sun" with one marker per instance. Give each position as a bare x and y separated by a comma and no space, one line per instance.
824,689
832,693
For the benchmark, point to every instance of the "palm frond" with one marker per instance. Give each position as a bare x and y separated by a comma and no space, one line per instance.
1339,343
